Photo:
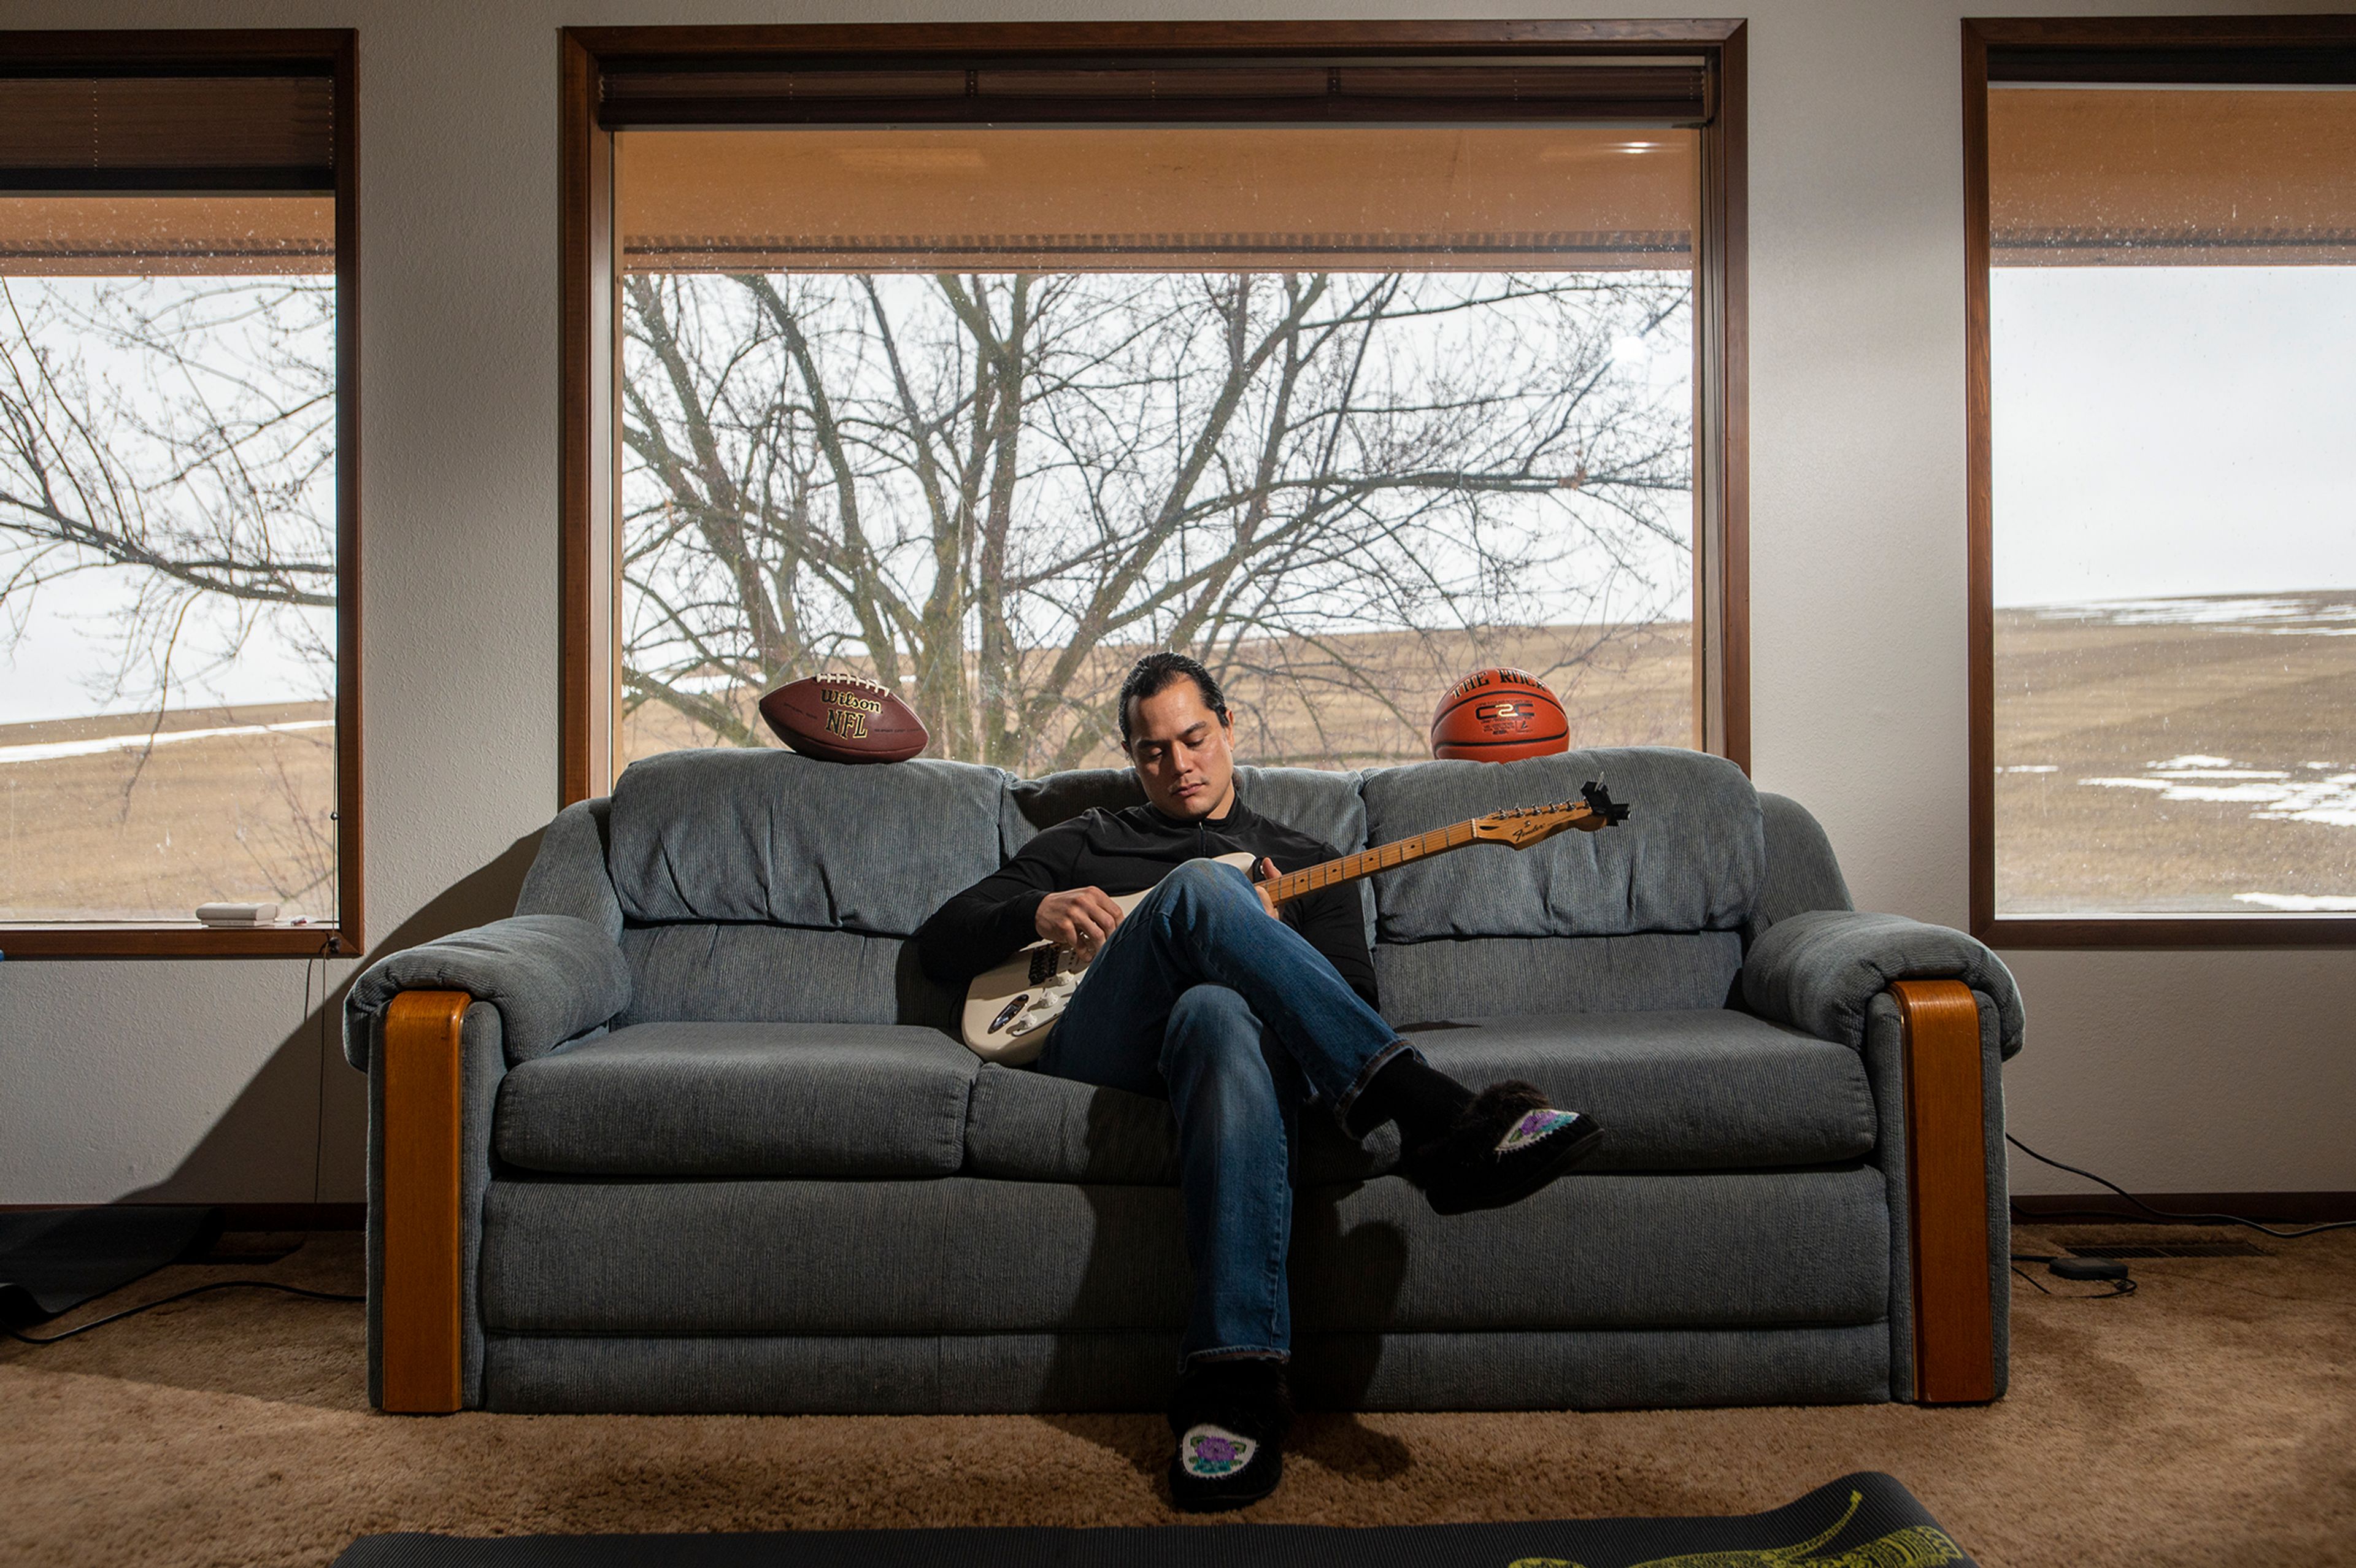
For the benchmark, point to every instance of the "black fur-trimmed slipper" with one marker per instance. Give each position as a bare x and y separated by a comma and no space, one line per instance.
1504,1145
1231,1418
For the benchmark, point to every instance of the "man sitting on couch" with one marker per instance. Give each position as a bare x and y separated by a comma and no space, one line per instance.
1203,996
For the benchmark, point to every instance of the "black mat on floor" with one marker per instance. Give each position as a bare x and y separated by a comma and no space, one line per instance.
1866,1519
58,1259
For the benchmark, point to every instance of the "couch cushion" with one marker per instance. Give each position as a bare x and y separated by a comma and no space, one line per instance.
721,1099
730,834
1488,977
1707,1249
779,973
1691,856
1023,1126
1711,1090
1678,1091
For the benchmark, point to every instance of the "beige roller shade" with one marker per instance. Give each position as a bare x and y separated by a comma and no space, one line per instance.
107,236
1486,198
2172,176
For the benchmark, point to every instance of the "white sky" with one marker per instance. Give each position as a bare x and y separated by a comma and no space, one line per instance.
59,668
2171,431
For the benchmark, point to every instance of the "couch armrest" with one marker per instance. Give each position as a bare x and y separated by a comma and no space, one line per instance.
551,977
1821,971
436,1027
435,1065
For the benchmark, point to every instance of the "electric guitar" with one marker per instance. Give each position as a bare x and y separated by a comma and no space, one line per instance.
1010,1010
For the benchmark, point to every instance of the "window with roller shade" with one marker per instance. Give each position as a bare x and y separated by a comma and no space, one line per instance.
1393,380
175,495
2170,574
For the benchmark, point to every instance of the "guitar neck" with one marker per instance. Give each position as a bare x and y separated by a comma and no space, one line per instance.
1366,862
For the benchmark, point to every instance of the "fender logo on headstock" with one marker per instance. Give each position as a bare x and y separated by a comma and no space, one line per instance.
1527,824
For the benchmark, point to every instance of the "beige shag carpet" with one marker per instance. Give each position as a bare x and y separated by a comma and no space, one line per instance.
2208,1419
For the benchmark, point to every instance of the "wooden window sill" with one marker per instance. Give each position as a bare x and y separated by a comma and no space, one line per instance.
2165,930
174,940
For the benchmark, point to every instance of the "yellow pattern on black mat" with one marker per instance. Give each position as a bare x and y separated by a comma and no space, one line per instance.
1916,1546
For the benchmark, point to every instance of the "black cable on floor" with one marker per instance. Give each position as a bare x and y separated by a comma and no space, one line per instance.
181,1296
2118,1287
2165,1214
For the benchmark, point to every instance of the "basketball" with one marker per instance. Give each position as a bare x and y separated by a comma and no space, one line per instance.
1499,716
844,719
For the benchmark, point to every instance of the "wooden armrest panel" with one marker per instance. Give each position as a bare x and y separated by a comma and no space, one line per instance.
420,1309
1947,1182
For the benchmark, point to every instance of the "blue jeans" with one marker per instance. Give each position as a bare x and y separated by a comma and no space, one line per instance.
1202,999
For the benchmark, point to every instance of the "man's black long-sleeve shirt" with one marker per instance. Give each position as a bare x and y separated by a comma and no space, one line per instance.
1126,852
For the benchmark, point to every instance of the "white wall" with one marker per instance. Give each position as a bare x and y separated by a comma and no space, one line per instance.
2217,1071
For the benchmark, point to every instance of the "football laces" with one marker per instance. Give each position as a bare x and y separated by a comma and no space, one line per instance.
844,678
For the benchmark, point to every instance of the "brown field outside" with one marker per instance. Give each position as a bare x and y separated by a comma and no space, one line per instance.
2182,756
2176,756
117,831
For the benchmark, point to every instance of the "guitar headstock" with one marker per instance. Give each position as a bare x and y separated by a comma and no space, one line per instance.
1527,824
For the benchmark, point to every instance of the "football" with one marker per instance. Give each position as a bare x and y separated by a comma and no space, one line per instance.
1499,716
844,719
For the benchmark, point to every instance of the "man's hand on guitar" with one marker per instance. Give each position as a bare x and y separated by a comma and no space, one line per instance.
1080,920
1263,873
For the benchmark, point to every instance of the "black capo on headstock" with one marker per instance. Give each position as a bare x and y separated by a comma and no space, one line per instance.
1599,801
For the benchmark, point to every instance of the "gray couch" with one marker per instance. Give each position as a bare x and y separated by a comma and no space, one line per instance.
721,1150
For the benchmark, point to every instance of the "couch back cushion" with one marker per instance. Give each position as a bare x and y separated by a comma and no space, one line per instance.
743,835
1690,858
1325,806
760,885
1518,976
699,972
1646,915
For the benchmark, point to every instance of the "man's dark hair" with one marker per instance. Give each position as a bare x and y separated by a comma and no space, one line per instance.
1149,675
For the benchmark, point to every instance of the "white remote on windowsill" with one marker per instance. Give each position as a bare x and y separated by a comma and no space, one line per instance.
237,914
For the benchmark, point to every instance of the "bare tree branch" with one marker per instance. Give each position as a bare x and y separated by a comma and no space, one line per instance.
1018,477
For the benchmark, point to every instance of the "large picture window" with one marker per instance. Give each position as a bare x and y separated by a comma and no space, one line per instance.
2165,565
175,515
1346,403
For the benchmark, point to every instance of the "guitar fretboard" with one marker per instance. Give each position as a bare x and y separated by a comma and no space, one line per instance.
1366,862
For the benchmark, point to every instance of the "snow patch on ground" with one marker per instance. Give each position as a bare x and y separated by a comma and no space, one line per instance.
2330,800
2308,615
2300,903
50,751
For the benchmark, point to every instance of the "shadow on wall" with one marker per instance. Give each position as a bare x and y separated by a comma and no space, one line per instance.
245,1156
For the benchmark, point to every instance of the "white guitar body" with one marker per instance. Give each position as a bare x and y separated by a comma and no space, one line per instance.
1010,1010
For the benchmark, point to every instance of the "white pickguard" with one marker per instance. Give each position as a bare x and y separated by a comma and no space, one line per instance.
1010,1010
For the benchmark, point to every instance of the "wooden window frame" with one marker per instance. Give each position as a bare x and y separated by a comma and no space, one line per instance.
588,451
2090,49
252,51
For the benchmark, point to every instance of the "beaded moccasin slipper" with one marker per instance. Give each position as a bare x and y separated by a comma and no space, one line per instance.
1504,1145
1231,1418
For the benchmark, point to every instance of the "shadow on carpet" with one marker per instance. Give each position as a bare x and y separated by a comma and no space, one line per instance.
1865,1521
52,1261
